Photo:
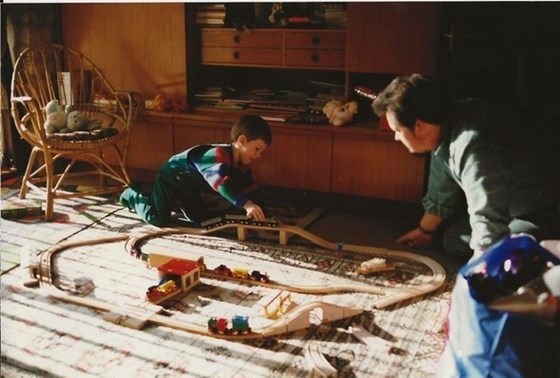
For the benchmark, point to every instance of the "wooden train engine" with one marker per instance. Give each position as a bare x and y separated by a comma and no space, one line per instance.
239,325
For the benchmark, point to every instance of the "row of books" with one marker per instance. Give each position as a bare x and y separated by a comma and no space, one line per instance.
210,14
272,105
328,14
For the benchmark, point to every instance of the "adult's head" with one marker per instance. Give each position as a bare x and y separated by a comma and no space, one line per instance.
415,111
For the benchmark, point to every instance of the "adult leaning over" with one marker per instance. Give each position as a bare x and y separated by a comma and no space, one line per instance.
485,182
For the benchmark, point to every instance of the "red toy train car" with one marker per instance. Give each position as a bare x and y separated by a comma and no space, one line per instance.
239,325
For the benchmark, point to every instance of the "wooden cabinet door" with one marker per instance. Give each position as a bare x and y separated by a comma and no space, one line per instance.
376,166
232,47
151,143
317,59
392,37
190,133
233,56
260,38
297,159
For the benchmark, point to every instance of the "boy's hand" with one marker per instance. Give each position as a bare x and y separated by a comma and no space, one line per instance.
254,211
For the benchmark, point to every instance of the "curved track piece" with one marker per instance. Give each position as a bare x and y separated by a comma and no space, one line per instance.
318,363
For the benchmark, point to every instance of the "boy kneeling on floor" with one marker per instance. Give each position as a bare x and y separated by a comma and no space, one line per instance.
207,180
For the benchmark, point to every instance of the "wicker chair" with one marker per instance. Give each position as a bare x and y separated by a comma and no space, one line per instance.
59,161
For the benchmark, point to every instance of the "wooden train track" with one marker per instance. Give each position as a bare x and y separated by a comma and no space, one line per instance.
391,295
301,288
139,314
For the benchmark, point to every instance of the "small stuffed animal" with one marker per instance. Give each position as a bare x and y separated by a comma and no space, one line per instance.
56,118
277,16
339,113
76,121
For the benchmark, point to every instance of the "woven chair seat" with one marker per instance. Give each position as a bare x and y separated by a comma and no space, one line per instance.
99,135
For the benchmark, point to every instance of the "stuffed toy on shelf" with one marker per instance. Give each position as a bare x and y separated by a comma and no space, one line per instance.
339,113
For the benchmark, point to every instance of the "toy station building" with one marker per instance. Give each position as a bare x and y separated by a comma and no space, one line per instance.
187,270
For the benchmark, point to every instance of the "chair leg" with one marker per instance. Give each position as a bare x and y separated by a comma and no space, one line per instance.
24,187
122,164
49,169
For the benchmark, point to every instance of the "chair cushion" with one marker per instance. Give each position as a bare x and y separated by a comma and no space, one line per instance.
84,136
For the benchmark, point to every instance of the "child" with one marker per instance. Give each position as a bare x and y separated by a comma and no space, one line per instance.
207,180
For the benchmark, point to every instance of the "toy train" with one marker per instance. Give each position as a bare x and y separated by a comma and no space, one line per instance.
236,219
164,288
239,325
242,273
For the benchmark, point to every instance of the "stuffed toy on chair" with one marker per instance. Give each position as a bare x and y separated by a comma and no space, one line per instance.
59,121
56,118
338,113
76,121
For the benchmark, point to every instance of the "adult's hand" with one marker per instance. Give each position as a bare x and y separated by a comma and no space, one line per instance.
416,238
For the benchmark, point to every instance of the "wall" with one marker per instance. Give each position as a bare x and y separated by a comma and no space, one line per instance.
139,47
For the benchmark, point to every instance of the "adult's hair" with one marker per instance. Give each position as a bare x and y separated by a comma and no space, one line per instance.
411,98
253,127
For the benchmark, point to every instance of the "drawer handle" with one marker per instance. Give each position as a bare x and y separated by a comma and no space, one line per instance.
236,55
237,39
315,40
315,58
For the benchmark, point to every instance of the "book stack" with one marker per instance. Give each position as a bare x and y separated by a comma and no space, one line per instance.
283,100
19,208
331,14
221,98
210,14
274,105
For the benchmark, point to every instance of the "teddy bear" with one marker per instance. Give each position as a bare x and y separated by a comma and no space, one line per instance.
56,118
339,113
67,121
277,16
75,120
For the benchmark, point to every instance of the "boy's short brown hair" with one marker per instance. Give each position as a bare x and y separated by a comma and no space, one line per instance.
253,127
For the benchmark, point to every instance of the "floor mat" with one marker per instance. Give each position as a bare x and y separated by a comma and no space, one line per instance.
34,337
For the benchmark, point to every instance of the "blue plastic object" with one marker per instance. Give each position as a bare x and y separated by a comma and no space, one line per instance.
506,266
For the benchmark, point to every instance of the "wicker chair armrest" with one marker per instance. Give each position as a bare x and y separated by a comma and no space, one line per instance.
32,116
133,103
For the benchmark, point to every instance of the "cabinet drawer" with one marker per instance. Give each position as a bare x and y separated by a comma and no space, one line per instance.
316,40
232,55
232,37
317,58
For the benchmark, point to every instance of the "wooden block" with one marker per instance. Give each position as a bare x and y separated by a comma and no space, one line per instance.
376,264
19,208
368,338
241,233
132,316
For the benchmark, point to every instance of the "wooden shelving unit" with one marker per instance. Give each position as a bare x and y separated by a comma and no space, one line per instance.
181,57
